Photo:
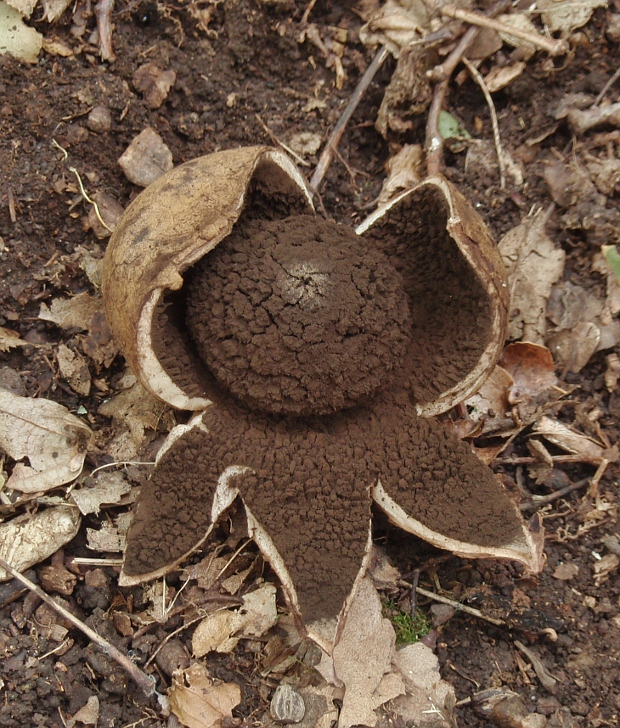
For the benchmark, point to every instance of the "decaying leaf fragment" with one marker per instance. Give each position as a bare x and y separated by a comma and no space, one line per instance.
25,542
108,488
198,702
567,15
54,441
9,339
362,656
221,631
533,264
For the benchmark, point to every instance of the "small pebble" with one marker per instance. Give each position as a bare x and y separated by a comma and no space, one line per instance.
99,120
146,158
287,705
172,656
441,613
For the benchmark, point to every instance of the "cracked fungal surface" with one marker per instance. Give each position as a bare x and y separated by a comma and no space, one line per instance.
298,316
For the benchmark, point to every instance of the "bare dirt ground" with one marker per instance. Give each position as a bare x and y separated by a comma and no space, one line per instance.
248,72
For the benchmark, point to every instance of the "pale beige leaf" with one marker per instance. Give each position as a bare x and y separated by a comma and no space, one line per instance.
54,9
566,571
567,15
404,170
10,339
396,26
16,38
362,656
500,77
221,631
109,538
570,440
87,714
199,703
215,633
533,264
23,7
429,700
73,367
24,543
604,567
54,441
522,22
109,488
72,313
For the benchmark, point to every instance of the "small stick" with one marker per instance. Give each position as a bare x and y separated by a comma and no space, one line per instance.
543,500
606,87
552,46
279,143
475,73
336,135
11,199
144,681
442,73
103,11
458,605
307,11
414,586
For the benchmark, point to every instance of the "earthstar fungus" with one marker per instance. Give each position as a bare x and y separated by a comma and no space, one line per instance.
314,358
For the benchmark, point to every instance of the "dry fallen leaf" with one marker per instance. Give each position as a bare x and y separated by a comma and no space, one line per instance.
604,567
198,702
491,403
531,367
362,656
403,172
573,441
154,84
501,76
134,411
396,25
54,441
108,488
566,571
73,367
9,340
87,714
221,631
533,264
72,313
109,538
429,700
567,15
28,540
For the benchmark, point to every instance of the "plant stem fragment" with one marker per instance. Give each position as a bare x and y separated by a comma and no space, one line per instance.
336,135
552,46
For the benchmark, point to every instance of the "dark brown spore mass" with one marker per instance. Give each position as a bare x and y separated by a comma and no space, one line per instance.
310,490
298,316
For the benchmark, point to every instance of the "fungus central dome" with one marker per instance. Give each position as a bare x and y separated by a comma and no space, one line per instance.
298,316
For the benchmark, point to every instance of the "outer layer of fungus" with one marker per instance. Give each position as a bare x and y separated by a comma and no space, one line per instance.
319,350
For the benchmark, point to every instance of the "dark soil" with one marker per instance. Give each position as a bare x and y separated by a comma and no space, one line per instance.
251,63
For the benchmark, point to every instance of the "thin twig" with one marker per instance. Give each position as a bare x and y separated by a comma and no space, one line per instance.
144,681
552,46
414,586
338,131
307,11
542,500
280,143
82,188
606,87
442,73
103,11
477,76
459,606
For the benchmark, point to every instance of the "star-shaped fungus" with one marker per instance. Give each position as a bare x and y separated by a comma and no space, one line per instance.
315,357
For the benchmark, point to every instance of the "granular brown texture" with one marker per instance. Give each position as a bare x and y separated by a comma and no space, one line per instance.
450,310
298,315
309,488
